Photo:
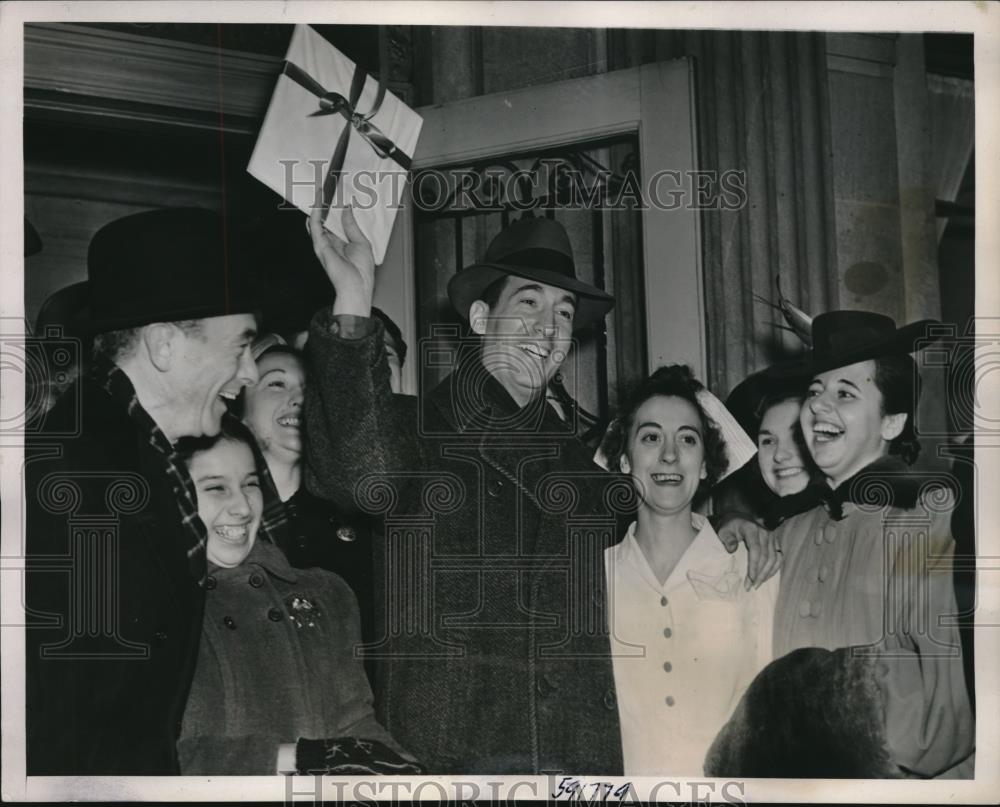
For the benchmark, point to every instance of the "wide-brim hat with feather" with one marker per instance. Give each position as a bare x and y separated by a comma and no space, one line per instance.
840,338
834,339
536,249
748,399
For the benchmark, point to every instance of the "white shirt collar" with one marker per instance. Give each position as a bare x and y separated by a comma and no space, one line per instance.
705,556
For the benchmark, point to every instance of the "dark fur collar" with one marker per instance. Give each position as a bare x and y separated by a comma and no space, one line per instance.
887,481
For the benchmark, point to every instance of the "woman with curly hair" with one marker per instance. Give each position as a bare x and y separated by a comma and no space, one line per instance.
277,687
687,637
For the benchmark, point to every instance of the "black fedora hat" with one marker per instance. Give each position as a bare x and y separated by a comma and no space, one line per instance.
535,249
840,338
164,266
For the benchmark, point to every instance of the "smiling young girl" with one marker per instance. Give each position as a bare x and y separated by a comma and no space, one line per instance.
276,671
687,637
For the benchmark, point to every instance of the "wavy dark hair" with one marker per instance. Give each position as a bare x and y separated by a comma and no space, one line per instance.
239,406
675,381
898,379
232,430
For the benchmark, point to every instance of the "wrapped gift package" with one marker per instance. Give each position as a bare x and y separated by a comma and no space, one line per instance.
320,130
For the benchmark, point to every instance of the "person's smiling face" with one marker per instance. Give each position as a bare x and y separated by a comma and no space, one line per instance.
274,405
782,465
842,421
230,501
666,453
526,335
212,364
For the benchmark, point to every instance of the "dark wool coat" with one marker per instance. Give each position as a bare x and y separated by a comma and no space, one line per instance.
114,614
319,536
276,663
491,595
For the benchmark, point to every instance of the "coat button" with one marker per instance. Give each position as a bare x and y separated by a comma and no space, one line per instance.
667,666
663,600
830,534
347,534
667,632
669,700
823,573
544,686
815,609
229,622
494,487
804,608
610,701
256,579
210,583
160,636
275,615
818,539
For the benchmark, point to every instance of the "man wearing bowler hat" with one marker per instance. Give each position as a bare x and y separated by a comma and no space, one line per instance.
116,551
495,656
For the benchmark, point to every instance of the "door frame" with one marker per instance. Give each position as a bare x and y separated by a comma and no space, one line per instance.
656,102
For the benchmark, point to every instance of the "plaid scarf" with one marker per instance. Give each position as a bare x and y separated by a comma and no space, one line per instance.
111,378
274,519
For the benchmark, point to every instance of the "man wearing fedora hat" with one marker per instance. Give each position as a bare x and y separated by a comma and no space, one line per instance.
116,551
495,656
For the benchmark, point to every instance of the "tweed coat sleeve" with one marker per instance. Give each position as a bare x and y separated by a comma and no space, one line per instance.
929,723
354,424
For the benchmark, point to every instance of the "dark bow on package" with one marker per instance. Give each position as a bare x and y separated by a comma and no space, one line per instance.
333,103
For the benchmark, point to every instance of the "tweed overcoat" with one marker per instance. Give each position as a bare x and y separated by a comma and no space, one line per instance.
114,613
491,601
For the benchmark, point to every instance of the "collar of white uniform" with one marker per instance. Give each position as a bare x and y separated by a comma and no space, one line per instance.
706,556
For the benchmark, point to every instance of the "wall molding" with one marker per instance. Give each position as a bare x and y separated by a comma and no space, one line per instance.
864,54
72,68
96,75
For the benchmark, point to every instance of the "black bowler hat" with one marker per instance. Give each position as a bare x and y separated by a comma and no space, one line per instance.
62,309
840,338
164,266
535,249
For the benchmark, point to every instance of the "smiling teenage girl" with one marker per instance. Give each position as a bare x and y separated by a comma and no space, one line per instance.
868,569
276,669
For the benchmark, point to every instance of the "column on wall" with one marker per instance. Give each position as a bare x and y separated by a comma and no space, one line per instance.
762,110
